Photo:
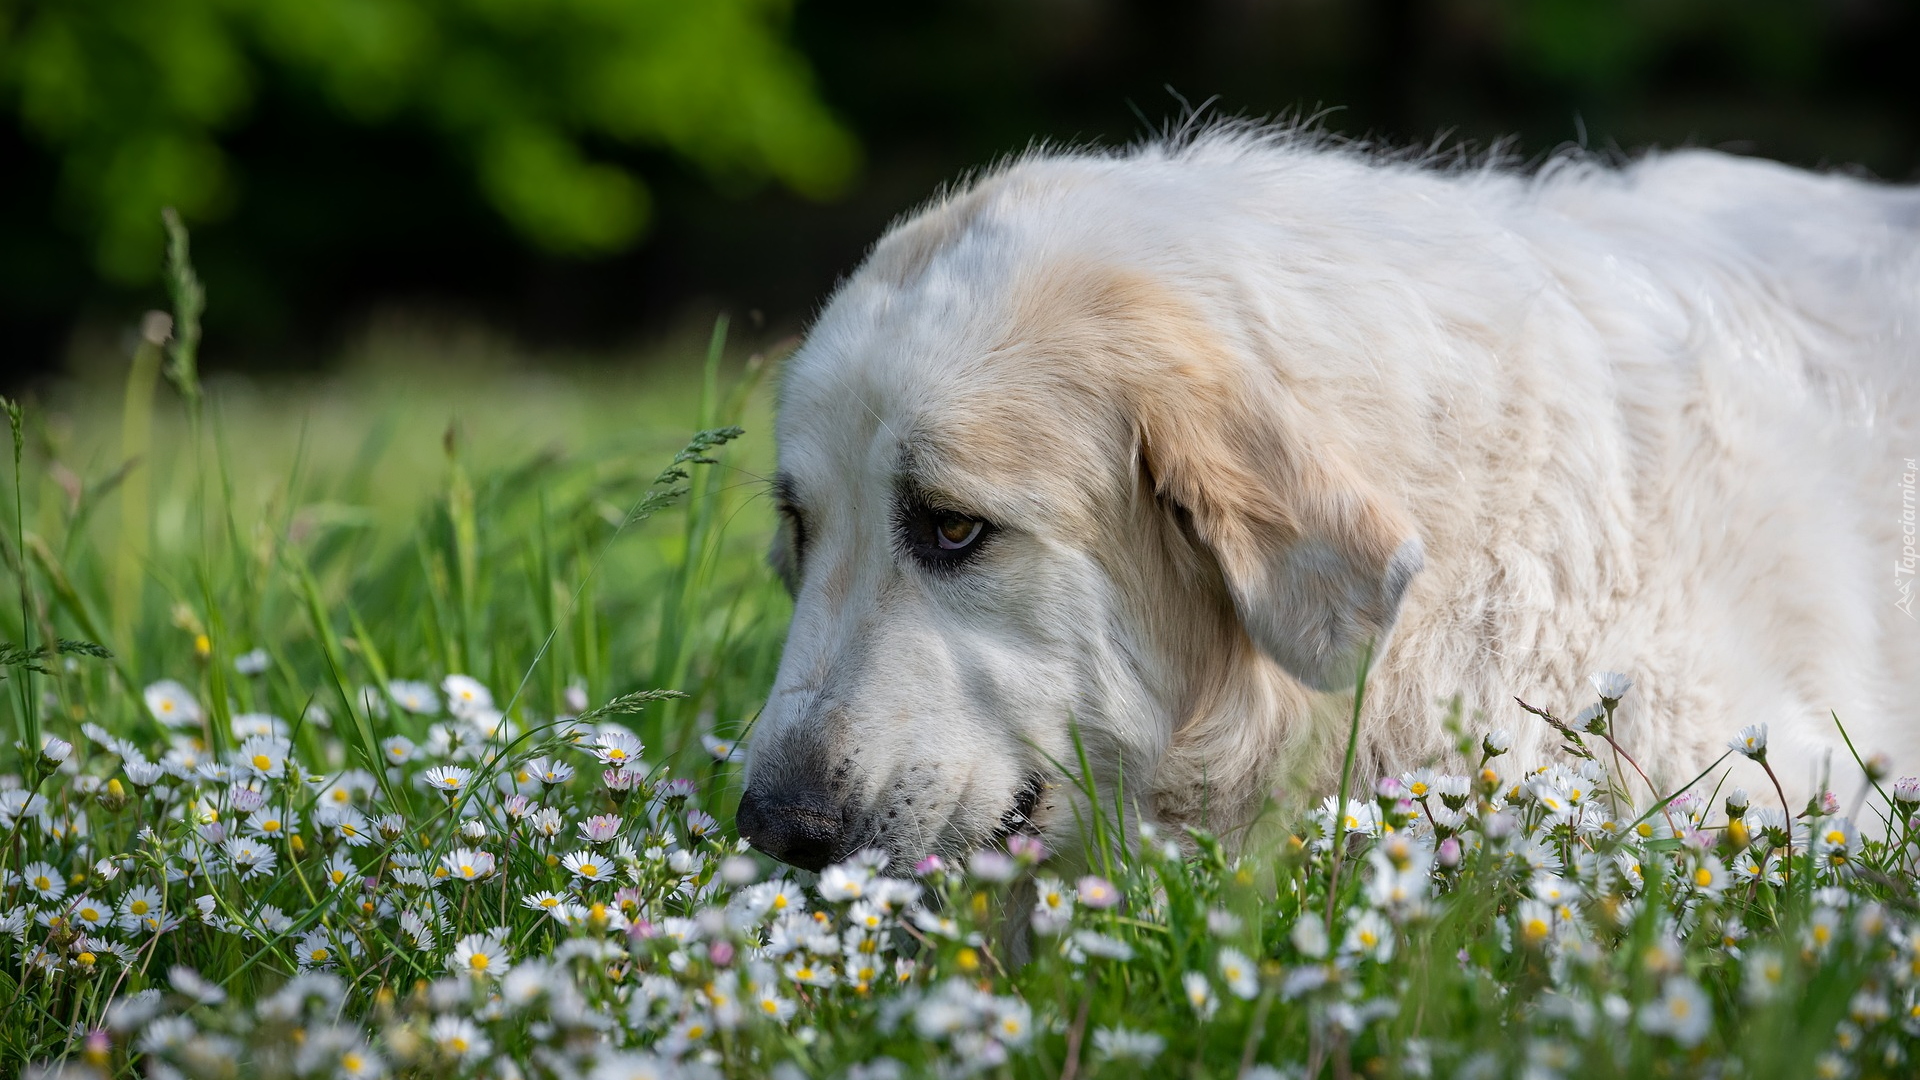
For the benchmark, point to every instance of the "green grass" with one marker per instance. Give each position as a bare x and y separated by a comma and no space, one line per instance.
295,556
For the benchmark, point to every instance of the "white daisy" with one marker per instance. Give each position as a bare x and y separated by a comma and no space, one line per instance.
139,902
351,826
466,864
459,1038
465,695
249,857
1611,686
315,950
724,749
42,878
397,749
264,756
247,725
1682,1012
1752,741
616,748
448,778
481,956
1242,979
340,869
415,697
588,866
1122,1044
89,913
172,704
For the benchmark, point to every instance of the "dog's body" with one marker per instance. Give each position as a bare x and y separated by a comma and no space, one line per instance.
1225,411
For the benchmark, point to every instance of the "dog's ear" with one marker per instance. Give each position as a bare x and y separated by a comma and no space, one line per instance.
1316,562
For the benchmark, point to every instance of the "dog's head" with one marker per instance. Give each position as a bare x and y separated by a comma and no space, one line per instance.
1029,492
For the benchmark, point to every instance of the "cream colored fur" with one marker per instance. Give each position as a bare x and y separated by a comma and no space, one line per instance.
1223,400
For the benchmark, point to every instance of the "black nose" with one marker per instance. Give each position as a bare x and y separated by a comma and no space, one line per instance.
804,832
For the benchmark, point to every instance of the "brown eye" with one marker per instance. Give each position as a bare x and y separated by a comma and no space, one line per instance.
937,538
954,532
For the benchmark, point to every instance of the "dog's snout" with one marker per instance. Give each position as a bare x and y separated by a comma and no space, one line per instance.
804,830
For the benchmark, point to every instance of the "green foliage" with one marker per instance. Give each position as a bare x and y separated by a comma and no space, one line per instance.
536,98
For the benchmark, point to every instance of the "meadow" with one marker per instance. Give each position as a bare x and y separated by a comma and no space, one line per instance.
390,724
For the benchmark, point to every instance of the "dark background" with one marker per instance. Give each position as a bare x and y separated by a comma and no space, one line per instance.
340,219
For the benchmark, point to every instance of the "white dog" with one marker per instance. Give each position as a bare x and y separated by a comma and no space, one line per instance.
1150,445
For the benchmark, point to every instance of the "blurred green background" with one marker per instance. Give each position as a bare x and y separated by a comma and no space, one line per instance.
589,176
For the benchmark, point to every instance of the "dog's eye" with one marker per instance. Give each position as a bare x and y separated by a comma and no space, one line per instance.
955,533
940,539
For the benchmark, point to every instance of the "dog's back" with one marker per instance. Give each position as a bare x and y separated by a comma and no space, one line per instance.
1759,333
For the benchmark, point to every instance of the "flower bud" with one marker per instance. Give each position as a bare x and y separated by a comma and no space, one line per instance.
1737,804
55,750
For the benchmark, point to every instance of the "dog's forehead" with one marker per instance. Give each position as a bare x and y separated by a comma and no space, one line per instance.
925,376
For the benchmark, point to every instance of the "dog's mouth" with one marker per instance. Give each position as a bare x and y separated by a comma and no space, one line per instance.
1018,820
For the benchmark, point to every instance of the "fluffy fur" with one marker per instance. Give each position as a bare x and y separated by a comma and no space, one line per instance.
1236,405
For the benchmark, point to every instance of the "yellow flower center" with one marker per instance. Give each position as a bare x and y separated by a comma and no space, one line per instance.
588,869
1703,877
320,956
138,907
86,958
262,762
457,1044
270,825
479,962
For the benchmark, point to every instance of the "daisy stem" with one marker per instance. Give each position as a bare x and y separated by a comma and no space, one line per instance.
1256,1028
1786,812
1074,1034
1651,790
1338,825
